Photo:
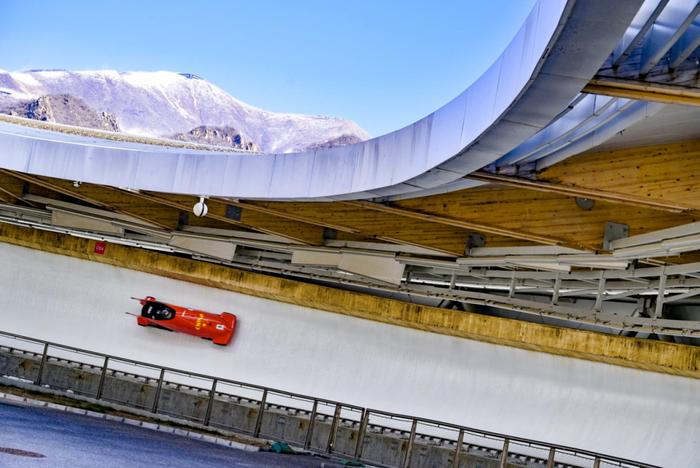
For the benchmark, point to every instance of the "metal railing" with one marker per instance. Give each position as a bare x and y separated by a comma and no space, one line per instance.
365,421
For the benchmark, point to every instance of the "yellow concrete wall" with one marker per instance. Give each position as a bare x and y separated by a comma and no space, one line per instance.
630,352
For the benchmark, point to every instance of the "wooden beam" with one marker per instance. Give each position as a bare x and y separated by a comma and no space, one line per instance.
544,214
580,192
337,227
12,188
372,225
311,238
665,173
448,221
283,214
8,196
54,188
644,91
75,194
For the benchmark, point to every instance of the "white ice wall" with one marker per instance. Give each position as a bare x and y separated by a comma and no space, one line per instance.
625,412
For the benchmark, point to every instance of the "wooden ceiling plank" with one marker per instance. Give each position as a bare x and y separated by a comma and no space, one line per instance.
8,196
456,223
282,214
580,192
178,204
74,194
373,225
665,173
53,187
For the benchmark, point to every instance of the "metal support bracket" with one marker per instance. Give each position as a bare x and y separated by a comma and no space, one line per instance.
614,231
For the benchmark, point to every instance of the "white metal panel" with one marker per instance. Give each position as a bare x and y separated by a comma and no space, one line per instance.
631,114
668,28
640,25
222,249
384,268
314,257
86,223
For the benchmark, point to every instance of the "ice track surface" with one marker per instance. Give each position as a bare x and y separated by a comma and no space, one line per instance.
630,413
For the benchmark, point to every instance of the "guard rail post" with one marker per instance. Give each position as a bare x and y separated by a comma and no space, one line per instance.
210,403
312,423
261,410
550,458
156,397
458,450
504,454
44,357
411,440
103,376
334,428
361,433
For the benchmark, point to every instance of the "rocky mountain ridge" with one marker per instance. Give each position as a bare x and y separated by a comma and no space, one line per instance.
65,109
173,105
217,136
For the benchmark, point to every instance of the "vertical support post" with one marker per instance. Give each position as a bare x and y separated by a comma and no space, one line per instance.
44,356
156,397
557,287
312,423
361,433
411,440
334,429
504,454
550,458
596,462
453,280
601,291
103,377
641,307
261,411
210,403
458,450
658,311
511,288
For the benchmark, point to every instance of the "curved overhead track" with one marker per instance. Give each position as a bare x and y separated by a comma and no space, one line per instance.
555,53
660,47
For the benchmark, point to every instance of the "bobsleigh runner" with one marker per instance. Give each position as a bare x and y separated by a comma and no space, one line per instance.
217,328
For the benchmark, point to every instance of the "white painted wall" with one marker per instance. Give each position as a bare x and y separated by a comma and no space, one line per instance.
625,412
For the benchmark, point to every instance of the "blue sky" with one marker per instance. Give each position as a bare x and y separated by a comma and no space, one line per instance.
382,63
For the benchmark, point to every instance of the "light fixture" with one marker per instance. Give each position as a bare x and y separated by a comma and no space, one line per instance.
585,204
200,208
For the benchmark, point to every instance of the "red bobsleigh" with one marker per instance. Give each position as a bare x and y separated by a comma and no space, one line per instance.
217,328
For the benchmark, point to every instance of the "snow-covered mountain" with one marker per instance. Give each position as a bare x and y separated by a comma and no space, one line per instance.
163,104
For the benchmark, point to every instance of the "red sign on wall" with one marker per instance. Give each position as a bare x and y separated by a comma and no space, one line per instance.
100,247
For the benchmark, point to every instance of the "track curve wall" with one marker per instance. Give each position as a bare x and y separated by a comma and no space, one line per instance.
625,412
